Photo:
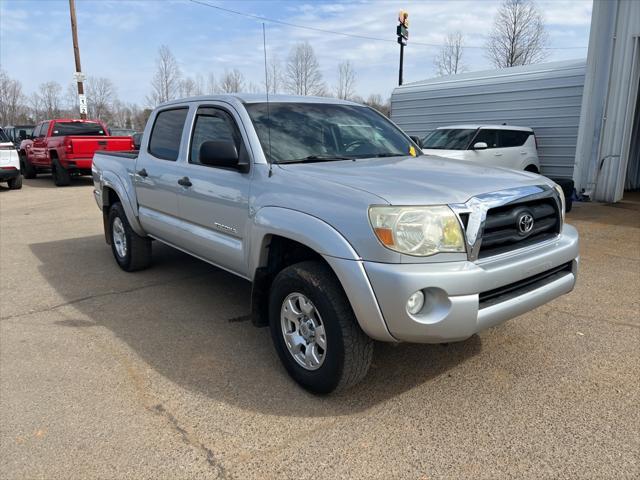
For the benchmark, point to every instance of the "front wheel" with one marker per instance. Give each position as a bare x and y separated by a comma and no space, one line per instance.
131,251
28,170
15,183
314,330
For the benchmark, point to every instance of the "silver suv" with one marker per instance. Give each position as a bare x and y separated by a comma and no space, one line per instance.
347,232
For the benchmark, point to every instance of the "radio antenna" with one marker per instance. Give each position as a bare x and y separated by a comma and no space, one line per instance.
266,84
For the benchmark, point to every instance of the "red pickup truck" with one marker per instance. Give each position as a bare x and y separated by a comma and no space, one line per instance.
66,147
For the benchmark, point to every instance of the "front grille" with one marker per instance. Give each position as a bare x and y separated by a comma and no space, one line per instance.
506,292
501,232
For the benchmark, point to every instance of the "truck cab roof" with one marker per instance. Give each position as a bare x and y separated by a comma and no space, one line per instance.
259,98
484,127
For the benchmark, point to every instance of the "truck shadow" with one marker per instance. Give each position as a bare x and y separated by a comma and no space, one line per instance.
188,321
44,180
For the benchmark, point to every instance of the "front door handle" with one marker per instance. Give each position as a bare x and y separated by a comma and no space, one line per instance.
142,173
185,182
498,154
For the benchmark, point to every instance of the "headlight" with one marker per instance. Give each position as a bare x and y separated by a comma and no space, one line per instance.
561,195
419,231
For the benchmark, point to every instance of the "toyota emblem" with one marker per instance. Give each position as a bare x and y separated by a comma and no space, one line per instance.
525,223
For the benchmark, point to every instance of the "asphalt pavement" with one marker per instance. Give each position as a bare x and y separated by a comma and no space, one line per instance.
159,374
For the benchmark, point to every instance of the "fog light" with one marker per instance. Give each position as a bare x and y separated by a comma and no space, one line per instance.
415,302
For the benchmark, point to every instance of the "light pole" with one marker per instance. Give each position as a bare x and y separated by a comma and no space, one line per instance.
402,31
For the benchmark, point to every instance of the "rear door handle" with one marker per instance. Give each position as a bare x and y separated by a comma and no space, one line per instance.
185,182
498,154
142,173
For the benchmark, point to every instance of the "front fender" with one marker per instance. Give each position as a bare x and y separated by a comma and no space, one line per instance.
335,249
301,227
127,197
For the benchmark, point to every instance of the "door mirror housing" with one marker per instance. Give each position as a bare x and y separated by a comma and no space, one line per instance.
480,146
222,154
22,135
417,140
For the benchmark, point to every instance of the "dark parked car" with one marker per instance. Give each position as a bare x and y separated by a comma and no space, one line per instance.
17,133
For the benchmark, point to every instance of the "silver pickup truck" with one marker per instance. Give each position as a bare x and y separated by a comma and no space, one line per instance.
346,231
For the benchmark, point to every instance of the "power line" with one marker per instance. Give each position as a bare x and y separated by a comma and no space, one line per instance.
333,32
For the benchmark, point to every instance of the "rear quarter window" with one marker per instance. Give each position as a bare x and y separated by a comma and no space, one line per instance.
166,134
513,138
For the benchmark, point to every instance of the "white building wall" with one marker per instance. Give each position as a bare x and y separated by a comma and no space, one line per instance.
609,101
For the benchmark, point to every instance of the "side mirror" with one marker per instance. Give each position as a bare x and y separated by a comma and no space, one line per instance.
221,154
137,140
417,140
22,135
480,146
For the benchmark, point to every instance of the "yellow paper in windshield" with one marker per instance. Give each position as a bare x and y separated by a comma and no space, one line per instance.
412,151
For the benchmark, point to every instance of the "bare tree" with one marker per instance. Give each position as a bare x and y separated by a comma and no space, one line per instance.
50,97
303,71
12,100
189,88
232,81
274,76
518,36
375,101
449,59
71,102
345,89
166,81
101,93
212,85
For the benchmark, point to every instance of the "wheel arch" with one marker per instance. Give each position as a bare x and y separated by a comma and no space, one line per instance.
112,191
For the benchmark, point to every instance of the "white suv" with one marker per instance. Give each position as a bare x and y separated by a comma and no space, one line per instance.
496,145
9,163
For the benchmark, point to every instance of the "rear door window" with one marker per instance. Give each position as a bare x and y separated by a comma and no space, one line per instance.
490,137
512,138
167,133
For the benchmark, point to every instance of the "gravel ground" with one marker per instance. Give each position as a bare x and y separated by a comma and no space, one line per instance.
159,375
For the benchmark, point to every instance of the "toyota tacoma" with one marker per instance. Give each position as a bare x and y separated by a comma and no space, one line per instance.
347,232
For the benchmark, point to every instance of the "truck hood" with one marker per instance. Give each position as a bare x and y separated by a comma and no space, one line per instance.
416,180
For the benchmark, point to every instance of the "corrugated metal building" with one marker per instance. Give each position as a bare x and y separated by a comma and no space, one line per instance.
593,138
545,97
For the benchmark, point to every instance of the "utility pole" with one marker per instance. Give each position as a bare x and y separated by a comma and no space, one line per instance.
82,100
402,31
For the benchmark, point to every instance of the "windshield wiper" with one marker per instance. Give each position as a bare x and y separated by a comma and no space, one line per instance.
318,158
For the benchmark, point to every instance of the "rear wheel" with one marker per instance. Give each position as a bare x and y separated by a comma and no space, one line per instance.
131,251
314,330
15,183
61,176
27,169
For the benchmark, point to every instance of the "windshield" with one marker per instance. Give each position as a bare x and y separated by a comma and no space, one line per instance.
448,139
3,137
62,129
307,132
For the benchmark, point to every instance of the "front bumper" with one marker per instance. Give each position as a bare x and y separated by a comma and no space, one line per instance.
453,308
8,173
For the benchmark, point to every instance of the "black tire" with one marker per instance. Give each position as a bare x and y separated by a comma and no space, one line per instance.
15,183
349,350
61,176
532,169
28,170
138,249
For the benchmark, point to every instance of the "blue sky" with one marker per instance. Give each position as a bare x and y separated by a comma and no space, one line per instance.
119,38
